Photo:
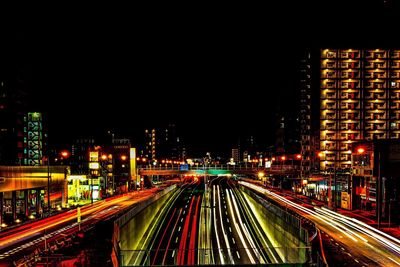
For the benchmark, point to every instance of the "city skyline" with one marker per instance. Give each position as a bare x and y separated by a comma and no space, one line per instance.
231,78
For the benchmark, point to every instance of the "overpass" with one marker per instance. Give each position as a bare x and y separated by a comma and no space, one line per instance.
24,190
278,170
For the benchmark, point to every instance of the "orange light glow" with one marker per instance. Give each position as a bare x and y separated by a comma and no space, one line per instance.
320,154
298,156
103,157
283,158
123,157
65,154
360,150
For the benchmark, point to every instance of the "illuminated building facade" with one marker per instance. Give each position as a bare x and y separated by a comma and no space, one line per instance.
33,139
360,100
235,155
309,125
150,144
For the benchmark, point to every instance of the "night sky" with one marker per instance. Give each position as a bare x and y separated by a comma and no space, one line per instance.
218,74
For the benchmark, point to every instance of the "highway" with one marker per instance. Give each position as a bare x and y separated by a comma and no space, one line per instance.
175,241
208,226
237,237
25,239
367,245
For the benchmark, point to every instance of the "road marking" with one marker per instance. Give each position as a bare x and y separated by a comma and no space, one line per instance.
179,229
233,240
184,212
349,254
237,253
185,206
226,213
342,249
230,230
227,219
173,253
225,206
176,240
336,244
356,260
181,219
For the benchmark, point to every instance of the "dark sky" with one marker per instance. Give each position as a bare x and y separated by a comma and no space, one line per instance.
218,73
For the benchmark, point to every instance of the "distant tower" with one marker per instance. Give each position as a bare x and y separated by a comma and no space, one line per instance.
33,139
280,134
236,155
150,144
305,114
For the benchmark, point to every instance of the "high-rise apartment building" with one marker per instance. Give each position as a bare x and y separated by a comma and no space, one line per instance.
235,155
305,114
360,100
150,144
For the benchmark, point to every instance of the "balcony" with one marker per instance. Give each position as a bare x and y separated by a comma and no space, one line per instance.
395,116
395,95
329,54
328,95
376,54
349,54
349,74
375,65
395,54
349,85
395,106
328,64
352,105
330,117
328,84
395,64
375,84
375,75
349,64
329,127
395,74
394,135
373,96
329,74
345,95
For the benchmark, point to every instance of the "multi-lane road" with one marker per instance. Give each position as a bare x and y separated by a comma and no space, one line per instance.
210,226
25,239
366,245
237,237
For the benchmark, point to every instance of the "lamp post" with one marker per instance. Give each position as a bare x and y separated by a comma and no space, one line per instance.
283,158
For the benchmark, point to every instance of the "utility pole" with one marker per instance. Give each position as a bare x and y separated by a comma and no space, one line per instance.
379,187
48,182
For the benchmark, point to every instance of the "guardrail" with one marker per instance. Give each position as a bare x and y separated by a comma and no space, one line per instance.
282,168
173,256
123,219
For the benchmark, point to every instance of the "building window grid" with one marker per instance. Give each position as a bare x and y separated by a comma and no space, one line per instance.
335,78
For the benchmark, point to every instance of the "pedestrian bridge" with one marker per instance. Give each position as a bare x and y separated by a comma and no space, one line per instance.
289,170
